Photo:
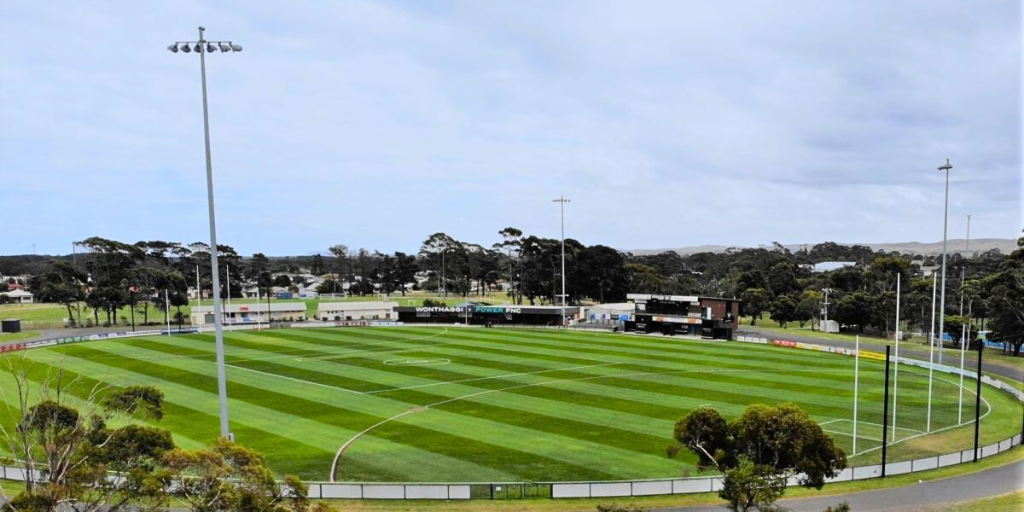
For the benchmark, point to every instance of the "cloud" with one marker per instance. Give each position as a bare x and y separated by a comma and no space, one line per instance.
377,123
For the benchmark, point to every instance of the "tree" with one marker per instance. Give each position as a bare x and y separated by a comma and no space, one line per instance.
855,309
783,310
752,486
317,267
75,448
282,281
759,450
1005,300
603,272
755,301
405,270
782,278
808,307
228,476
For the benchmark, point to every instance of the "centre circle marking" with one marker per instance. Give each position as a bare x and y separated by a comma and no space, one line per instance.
417,362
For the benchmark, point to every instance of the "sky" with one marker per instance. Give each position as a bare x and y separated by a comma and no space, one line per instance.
377,123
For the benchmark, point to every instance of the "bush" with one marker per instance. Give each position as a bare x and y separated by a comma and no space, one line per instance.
431,303
672,450
32,502
843,506
612,507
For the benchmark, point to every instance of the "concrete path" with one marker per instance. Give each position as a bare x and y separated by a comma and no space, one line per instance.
915,352
921,496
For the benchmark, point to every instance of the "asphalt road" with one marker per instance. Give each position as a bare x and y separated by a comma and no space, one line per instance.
921,496
970,360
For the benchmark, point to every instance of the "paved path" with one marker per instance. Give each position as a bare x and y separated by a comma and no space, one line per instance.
970,360
920,496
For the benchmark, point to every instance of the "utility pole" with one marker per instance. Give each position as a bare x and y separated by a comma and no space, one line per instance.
562,200
826,291
942,294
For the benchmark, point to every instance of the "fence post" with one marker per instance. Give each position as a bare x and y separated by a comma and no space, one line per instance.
885,411
977,404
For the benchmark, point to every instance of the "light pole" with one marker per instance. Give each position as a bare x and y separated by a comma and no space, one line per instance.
826,291
562,200
202,47
942,294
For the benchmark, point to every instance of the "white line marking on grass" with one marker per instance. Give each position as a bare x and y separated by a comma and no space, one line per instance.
830,421
293,379
847,434
337,456
862,422
475,379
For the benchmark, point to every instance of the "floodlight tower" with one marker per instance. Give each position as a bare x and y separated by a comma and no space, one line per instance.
202,47
942,295
562,200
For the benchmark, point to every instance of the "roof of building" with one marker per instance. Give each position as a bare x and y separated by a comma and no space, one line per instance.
614,306
17,293
826,266
673,298
255,308
355,306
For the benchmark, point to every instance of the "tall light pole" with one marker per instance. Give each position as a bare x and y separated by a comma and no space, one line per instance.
562,200
202,47
942,293
826,291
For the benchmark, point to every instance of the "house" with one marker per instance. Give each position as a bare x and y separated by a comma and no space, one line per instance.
18,296
338,311
251,313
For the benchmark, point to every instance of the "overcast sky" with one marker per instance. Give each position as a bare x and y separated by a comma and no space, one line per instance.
375,124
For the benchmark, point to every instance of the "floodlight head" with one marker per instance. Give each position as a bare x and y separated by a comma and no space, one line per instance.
236,47
186,48
199,48
224,47
210,48
946,167
173,48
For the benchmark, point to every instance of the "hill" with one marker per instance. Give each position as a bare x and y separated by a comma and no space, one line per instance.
1006,245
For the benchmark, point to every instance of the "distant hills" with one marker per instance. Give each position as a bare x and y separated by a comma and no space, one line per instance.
1006,245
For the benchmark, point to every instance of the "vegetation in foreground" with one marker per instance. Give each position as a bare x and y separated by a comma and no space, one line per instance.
758,451
77,444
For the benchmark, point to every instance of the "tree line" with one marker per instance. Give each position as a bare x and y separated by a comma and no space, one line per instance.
771,280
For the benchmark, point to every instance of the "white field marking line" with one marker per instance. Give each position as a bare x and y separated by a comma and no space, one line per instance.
830,421
848,434
293,379
337,456
878,425
475,379
987,412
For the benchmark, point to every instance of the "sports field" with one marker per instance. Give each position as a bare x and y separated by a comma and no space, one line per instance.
457,404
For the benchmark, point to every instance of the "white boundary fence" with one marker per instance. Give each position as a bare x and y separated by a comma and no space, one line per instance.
609,489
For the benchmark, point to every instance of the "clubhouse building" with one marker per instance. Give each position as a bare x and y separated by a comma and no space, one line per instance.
202,316
707,317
